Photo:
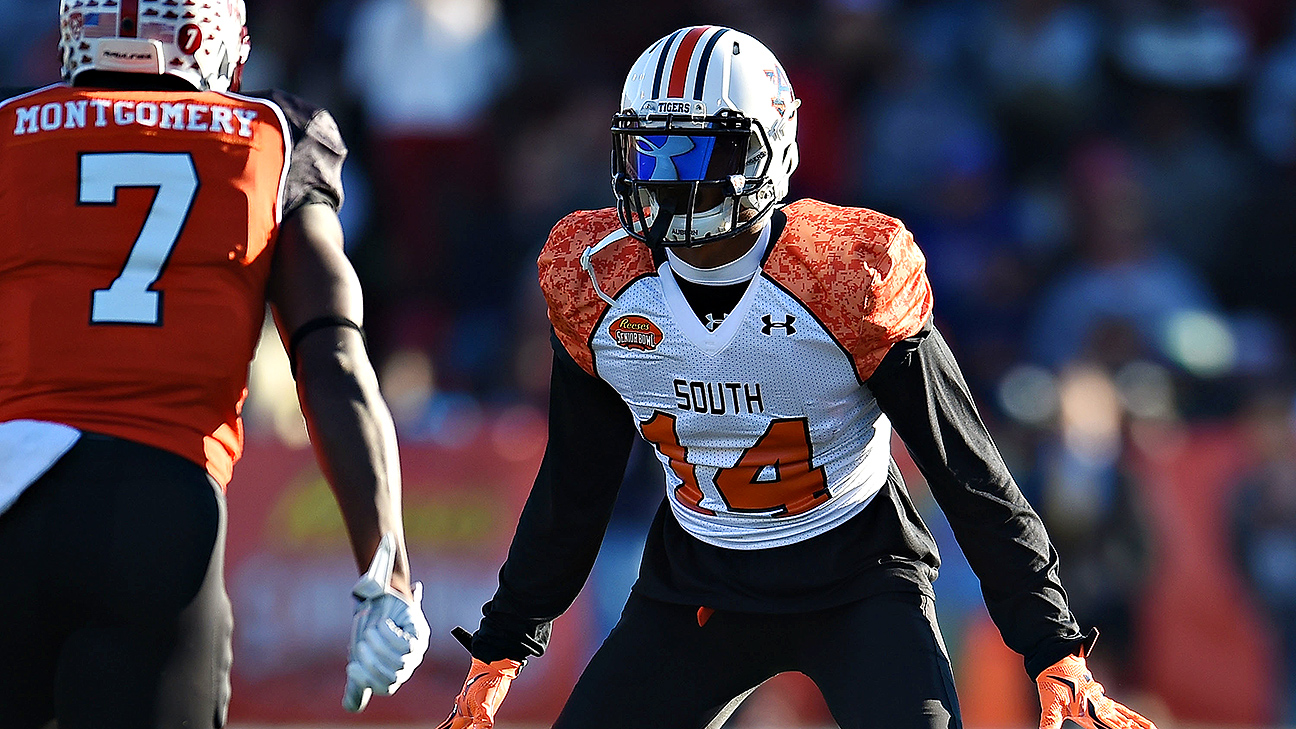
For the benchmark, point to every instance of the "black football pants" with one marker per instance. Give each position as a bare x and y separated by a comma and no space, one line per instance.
880,663
114,611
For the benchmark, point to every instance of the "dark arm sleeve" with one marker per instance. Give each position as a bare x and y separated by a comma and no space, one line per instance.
315,166
921,389
565,517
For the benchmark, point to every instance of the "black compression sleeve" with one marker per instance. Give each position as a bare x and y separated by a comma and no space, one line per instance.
921,389
565,517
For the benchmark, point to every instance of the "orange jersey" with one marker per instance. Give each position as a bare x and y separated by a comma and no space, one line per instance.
136,232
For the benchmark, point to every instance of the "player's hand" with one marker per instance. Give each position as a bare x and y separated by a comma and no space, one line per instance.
1068,691
389,633
482,693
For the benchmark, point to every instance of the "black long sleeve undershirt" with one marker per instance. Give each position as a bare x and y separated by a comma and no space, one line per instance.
884,548
921,389
565,517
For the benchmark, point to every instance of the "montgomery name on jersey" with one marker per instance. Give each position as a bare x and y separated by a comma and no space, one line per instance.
151,215
763,426
137,189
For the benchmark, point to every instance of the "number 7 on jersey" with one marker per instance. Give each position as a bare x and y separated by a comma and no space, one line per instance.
129,298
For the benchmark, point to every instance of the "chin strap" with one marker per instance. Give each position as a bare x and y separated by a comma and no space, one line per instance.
588,254
660,226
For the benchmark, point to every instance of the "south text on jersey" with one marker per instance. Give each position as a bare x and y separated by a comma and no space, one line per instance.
106,113
719,398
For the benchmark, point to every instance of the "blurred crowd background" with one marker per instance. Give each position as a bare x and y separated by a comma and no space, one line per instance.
1105,191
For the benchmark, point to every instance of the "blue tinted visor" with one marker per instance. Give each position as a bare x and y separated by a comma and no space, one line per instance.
684,157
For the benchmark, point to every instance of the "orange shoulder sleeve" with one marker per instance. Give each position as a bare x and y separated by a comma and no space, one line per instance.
575,306
859,272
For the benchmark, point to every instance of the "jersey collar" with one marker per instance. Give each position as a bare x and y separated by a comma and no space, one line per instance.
736,271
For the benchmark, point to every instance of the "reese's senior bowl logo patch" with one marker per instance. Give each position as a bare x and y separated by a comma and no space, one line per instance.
635,332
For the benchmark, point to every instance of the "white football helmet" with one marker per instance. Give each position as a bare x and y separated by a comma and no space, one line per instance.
204,42
705,142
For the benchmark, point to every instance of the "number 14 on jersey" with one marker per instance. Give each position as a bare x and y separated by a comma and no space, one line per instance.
773,476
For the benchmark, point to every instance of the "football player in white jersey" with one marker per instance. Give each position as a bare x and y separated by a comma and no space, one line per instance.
766,353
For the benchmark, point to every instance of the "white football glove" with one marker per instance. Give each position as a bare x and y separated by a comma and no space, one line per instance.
388,634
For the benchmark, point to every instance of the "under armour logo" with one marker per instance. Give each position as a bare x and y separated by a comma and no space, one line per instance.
785,325
663,155
713,322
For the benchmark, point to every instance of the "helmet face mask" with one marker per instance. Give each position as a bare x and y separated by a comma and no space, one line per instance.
205,44
684,180
684,176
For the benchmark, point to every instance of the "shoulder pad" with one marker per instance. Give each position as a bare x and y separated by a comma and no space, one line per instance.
858,271
315,171
575,306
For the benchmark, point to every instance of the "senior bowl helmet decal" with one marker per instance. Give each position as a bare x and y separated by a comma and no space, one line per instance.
204,42
705,142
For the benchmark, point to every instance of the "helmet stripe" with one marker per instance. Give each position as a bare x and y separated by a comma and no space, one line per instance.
128,25
703,62
679,69
661,64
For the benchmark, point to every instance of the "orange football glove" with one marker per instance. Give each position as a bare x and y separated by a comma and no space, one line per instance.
1067,691
483,692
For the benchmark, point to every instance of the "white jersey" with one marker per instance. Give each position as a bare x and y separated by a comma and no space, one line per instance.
764,427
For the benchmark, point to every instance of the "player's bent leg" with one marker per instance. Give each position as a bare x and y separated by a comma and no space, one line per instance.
881,664
659,668
155,650
164,671
195,684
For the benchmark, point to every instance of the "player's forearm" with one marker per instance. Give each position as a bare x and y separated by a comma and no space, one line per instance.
565,517
354,440
923,393
552,553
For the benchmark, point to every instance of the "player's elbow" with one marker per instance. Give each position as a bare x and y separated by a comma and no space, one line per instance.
335,369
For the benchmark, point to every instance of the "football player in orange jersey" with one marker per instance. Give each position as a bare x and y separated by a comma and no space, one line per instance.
150,213
766,353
